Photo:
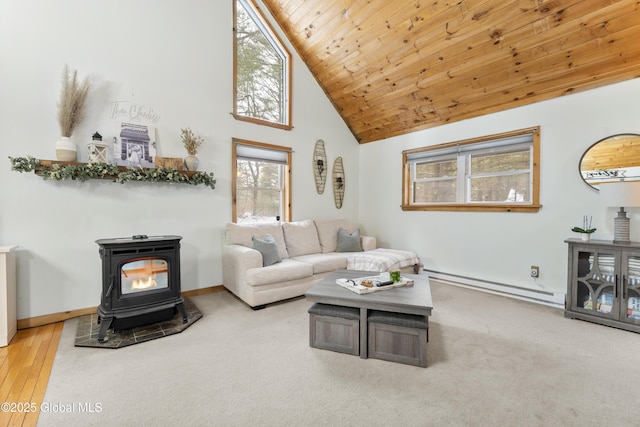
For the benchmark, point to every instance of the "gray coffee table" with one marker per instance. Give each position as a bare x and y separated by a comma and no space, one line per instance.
414,299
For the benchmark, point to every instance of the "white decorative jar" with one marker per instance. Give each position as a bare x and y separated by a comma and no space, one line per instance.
66,150
586,236
191,163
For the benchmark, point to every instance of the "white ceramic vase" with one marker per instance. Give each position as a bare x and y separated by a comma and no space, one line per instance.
66,150
191,163
586,237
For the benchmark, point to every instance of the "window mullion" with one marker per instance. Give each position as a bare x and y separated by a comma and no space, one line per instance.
412,189
463,176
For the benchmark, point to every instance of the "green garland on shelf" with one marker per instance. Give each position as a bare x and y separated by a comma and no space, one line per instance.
86,171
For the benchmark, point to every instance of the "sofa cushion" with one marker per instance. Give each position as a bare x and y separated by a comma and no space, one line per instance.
328,232
323,263
242,234
281,272
268,248
349,242
301,238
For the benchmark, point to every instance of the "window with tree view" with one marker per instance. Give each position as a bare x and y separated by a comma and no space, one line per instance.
497,172
262,190
262,70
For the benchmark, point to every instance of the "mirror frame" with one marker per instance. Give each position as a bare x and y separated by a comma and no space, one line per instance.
611,174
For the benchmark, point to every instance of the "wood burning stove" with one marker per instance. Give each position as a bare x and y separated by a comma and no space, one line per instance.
140,282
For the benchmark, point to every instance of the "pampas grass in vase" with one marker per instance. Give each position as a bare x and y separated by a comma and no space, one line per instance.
191,142
71,110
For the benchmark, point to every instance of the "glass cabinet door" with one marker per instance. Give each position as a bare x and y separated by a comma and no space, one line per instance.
595,289
630,307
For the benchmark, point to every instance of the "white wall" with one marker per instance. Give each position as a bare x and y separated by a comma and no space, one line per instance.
172,58
500,247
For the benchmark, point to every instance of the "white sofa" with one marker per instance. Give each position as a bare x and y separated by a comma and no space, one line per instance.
307,250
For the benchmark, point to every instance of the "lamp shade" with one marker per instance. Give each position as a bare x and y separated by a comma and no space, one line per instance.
620,194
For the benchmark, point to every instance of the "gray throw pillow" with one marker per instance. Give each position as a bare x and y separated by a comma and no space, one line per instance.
268,248
348,242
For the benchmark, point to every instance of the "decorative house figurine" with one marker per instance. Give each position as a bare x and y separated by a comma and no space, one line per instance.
97,151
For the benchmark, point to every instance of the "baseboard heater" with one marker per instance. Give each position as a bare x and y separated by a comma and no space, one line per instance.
552,299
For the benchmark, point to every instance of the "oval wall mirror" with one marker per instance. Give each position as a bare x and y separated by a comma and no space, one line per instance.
611,159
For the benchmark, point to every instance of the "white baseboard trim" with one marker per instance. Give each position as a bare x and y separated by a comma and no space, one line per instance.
552,299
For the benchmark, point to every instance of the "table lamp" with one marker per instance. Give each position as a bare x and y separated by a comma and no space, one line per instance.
621,194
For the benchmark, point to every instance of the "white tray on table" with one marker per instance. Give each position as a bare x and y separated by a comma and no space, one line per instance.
354,284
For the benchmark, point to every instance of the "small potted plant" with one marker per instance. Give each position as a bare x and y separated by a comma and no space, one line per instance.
586,229
71,110
191,142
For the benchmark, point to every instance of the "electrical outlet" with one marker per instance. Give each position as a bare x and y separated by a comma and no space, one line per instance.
535,271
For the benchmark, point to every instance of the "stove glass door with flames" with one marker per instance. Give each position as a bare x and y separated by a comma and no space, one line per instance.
143,275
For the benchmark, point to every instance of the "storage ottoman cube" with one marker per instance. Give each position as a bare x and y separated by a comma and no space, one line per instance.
336,328
398,337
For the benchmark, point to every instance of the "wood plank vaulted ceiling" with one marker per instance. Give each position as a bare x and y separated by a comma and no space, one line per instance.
391,67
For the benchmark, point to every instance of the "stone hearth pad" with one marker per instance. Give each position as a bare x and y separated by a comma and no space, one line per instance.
88,328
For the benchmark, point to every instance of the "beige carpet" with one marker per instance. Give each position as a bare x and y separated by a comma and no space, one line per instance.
492,361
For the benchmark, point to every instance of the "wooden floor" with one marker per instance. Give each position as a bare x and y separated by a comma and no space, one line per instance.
25,365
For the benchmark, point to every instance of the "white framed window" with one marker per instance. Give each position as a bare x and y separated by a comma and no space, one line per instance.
491,173
261,185
262,70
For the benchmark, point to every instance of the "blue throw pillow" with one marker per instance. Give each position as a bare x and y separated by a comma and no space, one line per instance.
348,242
268,248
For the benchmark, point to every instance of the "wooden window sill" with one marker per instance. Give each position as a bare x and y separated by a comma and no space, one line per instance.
473,208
